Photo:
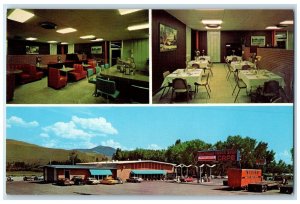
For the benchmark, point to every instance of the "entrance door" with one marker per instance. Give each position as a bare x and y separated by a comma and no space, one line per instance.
67,174
214,45
115,52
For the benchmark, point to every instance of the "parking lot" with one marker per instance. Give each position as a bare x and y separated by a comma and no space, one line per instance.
150,188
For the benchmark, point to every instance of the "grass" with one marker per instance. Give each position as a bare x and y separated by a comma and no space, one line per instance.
23,173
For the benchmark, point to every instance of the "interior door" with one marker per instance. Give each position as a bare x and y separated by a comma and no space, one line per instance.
214,45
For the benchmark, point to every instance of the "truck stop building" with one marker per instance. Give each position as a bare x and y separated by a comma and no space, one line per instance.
146,169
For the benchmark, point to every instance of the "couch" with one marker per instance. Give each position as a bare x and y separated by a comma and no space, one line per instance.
78,73
28,74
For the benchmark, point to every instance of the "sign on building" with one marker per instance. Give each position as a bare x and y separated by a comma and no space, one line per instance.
219,155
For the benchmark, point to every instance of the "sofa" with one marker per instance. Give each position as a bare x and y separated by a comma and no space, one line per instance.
78,72
55,80
28,74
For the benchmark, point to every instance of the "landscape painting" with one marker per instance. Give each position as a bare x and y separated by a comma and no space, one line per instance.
92,151
168,38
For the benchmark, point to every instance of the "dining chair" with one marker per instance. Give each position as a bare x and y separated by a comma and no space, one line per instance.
209,67
180,86
106,88
55,80
238,84
203,83
168,86
196,66
139,94
270,90
229,71
234,59
246,67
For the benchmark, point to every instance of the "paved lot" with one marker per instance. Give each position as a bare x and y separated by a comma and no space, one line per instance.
214,190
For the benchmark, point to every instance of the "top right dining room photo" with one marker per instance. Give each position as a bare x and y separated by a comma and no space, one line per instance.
204,56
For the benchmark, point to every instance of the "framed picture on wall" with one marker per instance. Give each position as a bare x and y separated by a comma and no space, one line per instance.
31,50
168,38
259,41
96,50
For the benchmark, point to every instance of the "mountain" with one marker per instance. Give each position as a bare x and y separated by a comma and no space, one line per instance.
107,151
18,151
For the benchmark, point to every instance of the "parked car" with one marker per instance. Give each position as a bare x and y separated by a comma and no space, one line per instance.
78,180
28,178
9,179
92,181
64,182
120,181
109,181
186,179
38,178
134,180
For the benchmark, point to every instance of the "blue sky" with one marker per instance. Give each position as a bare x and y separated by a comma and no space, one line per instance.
150,127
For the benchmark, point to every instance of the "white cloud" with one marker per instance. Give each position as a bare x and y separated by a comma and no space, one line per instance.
111,143
154,147
67,130
44,135
95,124
17,121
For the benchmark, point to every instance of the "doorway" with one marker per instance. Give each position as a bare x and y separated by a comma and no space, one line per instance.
67,174
115,52
214,45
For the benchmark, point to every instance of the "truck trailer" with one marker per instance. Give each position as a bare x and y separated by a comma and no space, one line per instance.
241,178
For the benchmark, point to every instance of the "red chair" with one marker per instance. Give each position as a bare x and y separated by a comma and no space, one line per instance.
93,65
55,80
78,73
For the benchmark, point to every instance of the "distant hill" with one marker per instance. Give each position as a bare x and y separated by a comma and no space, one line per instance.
18,151
107,151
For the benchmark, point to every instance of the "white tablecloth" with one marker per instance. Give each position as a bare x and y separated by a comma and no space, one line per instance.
253,80
205,57
229,58
238,65
190,75
202,63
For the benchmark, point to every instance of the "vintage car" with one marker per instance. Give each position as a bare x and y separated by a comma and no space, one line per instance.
109,181
186,179
64,182
134,180
92,181
78,180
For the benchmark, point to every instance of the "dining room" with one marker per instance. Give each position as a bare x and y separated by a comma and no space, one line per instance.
223,56
68,55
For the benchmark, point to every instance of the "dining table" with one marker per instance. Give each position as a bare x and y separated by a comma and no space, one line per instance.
229,58
190,75
255,78
202,63
237,65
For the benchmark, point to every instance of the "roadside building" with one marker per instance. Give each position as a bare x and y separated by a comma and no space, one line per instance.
52,173
146,169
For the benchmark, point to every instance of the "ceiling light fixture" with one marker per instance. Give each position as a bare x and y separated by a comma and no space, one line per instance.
212,22
273,28
66,30
64,43
87,37
97,40
31,38
52,41
212,27
138,27
20,15
127,11
288,22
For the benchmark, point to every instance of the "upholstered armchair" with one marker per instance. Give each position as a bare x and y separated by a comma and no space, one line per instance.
55,80
78,73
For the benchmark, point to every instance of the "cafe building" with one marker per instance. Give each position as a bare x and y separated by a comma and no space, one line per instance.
223,56
86,56
146,169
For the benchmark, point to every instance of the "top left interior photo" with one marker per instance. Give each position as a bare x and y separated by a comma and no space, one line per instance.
77,56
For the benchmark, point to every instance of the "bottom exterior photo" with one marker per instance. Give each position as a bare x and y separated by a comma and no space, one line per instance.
148,152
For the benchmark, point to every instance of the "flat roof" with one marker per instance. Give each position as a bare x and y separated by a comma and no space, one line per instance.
74,167
126,162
